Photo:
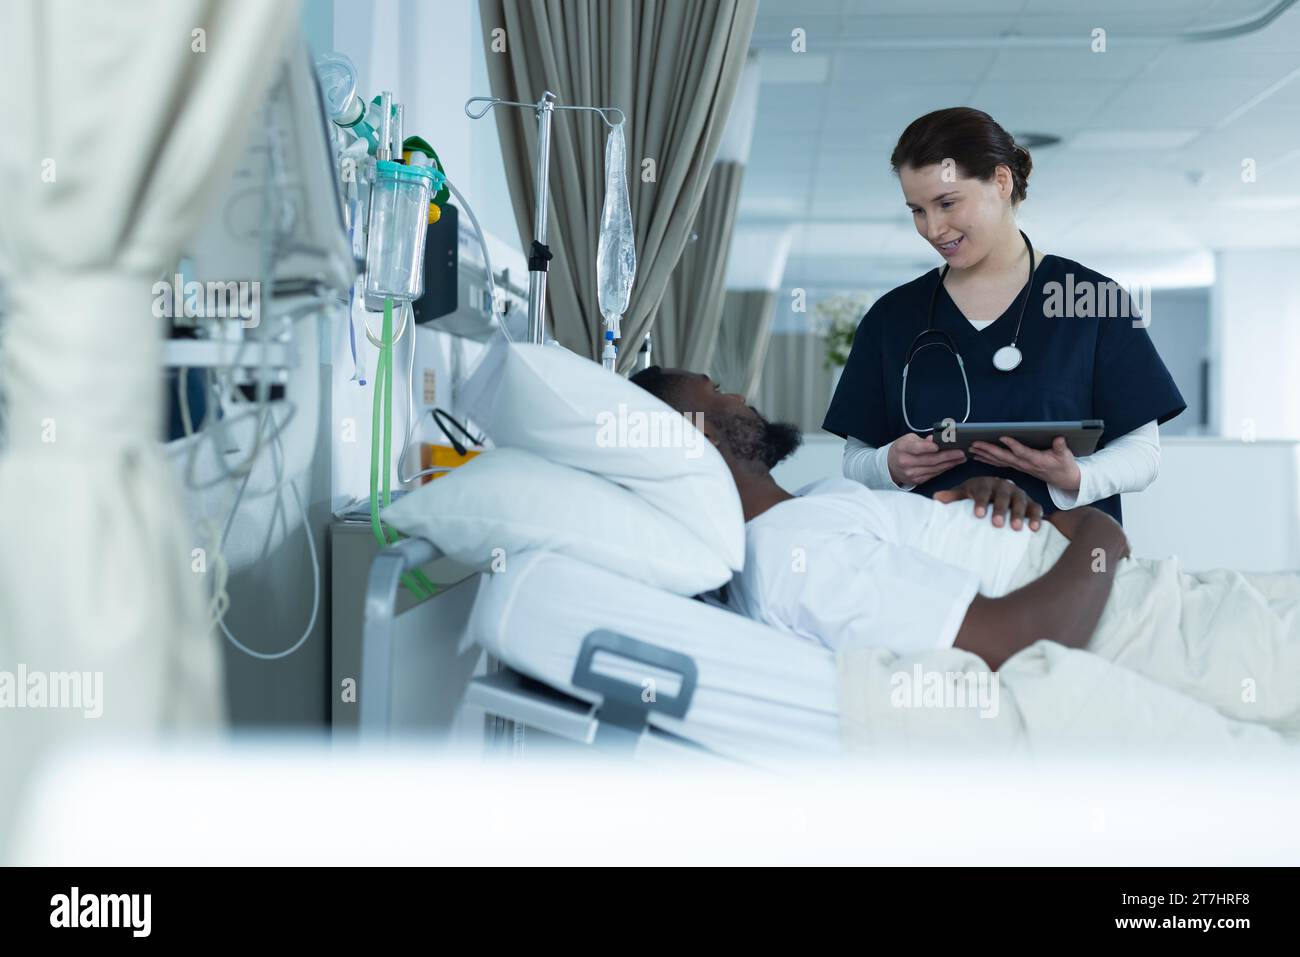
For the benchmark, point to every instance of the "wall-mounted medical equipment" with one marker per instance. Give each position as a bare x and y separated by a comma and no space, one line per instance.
393,189
272,258
458,290
387,178
378,123
616,255
441,266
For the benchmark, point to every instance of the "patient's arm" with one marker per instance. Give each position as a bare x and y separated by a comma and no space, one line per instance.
1063,605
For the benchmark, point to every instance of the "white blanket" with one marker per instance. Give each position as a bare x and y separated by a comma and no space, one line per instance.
1207,662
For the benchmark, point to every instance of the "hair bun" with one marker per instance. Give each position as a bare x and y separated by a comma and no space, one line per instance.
1026,162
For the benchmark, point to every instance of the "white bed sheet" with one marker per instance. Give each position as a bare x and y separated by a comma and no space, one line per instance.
760,693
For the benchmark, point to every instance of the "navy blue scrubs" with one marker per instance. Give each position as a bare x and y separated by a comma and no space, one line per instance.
1073,367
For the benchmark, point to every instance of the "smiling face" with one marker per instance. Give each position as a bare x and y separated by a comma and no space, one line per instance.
962,218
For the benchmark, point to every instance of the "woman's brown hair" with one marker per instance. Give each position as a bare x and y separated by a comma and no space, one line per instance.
971,138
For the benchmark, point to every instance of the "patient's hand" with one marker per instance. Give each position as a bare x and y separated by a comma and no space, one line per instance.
1002,495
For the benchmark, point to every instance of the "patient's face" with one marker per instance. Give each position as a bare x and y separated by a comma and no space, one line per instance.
736,427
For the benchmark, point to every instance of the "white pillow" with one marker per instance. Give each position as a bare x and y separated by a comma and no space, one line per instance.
566,408
513,500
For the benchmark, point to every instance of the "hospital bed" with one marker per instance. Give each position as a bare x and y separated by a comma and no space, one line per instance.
581,648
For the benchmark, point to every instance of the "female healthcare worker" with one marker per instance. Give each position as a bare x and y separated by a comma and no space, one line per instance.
1027,351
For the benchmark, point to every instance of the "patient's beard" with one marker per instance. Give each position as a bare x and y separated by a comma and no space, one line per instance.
754,439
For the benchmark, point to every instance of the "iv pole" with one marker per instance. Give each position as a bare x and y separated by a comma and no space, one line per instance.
539,255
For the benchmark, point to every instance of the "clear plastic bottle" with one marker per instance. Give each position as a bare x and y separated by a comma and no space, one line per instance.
399,220
609,358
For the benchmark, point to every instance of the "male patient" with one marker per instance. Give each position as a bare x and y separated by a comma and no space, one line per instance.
841,564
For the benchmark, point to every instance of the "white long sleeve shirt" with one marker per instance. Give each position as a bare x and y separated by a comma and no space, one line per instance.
1128,464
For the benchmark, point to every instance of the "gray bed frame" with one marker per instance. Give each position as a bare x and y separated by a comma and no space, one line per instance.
618,721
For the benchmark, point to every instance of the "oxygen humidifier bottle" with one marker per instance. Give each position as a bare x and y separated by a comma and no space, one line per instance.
610,355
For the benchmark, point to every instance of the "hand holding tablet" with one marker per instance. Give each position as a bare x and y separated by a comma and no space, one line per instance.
1045,450
1081,436
914,460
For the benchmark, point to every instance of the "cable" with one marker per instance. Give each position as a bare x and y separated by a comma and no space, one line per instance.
412,422
220,601
218,428
278,467
183,398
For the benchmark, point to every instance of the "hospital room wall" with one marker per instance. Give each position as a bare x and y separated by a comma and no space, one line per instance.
1180,328
1255,323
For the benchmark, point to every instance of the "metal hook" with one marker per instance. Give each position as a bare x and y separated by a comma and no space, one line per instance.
491,101
602,110
494,101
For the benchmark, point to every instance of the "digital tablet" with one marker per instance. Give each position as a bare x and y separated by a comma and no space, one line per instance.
1080,435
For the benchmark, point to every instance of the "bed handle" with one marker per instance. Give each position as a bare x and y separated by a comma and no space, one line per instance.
627,706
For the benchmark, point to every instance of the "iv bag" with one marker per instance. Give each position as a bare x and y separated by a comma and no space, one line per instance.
616,251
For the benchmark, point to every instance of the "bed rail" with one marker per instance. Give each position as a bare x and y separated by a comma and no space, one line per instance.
380,625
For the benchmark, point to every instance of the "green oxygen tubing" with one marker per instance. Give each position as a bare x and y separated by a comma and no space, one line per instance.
381,497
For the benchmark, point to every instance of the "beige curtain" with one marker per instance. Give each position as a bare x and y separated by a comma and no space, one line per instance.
121,120
743,335
796,385
672,67
686,329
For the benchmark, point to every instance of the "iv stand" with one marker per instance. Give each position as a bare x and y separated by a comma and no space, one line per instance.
539,255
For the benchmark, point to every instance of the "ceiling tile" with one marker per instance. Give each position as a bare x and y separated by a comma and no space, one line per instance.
1028,66
1175,103
1170,175
863,71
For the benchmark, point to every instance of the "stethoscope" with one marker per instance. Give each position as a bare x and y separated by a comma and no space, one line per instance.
1004,360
